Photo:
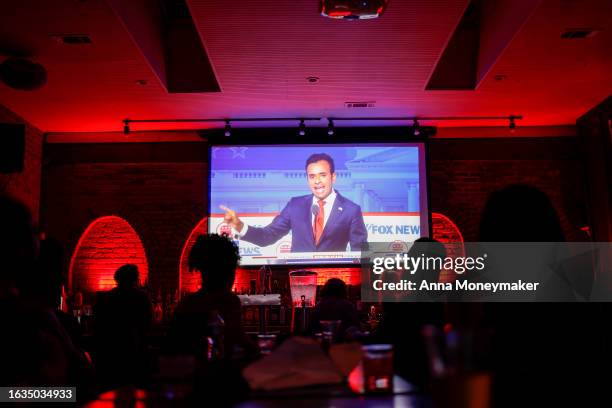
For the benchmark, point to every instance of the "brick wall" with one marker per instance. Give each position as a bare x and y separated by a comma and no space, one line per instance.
464,172
108,243
460,188
160,189
161,197
595,133
25,186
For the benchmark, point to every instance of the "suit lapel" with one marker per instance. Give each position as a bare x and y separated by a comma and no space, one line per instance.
307,210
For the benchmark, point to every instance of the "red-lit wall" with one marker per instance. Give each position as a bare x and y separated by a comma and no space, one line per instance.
25,186
105,245
463,173
190,280
160,192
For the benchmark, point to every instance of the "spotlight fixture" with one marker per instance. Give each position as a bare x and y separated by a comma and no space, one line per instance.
416,130
126,127
330,127
302,128
228,129
512,124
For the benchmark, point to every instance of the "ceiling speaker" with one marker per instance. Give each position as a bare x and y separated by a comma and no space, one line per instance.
23,74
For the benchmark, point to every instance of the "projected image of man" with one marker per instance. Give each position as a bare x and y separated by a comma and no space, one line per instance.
324,221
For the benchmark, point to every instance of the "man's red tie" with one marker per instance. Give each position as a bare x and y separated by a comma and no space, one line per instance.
319,220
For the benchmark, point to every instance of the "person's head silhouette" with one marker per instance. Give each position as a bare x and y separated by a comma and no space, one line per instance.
45,284
216,257
520,213
127,276
434,252
334,287
18,243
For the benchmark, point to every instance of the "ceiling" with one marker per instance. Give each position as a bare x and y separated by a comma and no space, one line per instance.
263,52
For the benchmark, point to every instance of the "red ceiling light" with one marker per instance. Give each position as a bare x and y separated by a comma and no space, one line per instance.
338,14
353,9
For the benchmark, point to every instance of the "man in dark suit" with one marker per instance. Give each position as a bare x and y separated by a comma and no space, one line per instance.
323,221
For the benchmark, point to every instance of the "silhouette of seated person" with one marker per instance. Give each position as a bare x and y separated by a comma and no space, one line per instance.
44,287
35,350
404,318
122,318
216,258
334,305
544,349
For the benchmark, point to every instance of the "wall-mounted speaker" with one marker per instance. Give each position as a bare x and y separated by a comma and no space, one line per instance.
12,147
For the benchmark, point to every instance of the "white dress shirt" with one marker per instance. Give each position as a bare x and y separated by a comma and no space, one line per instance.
327,208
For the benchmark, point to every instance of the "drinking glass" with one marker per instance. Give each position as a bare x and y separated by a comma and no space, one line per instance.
266,343
330,330
378,368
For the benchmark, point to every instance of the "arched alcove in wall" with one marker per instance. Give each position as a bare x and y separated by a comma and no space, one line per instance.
189,281
446,231
106,244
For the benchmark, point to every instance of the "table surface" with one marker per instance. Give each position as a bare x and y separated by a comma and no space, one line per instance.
370,401
337,396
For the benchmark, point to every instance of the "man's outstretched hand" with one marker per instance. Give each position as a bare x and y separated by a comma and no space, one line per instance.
231,218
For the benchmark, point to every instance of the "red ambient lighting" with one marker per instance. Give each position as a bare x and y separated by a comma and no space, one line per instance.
107,243
190,281
339,13
445,230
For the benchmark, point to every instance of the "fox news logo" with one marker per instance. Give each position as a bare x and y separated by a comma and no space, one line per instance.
249,251
393,229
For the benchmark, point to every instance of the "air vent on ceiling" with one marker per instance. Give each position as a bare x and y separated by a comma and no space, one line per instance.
366,104
578,33
76,39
